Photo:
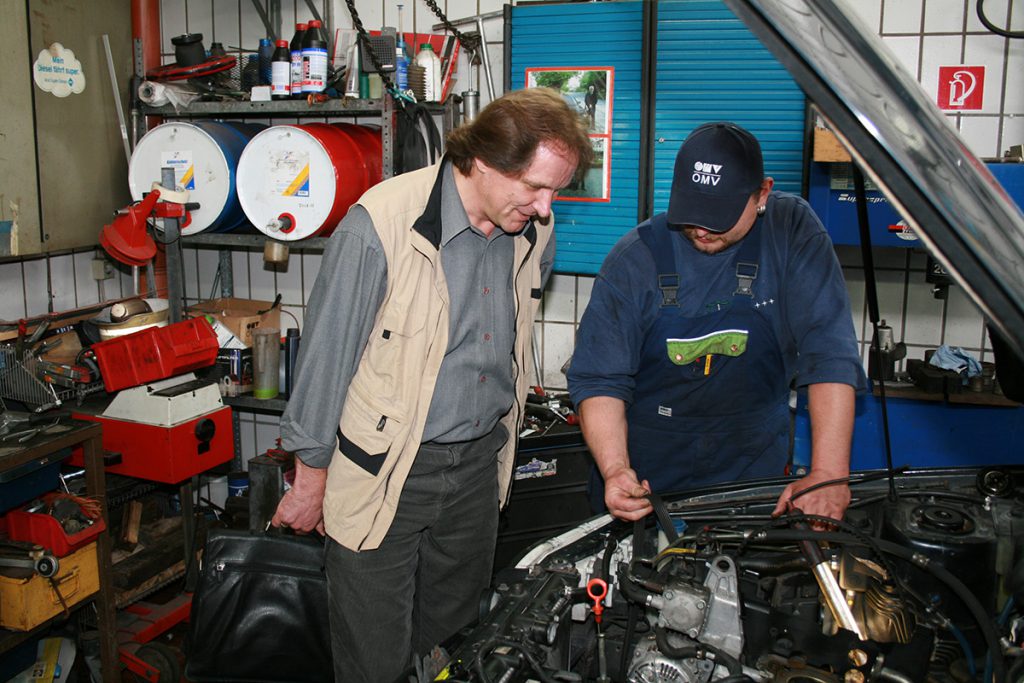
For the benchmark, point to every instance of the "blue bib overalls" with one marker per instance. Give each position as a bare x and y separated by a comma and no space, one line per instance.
712,392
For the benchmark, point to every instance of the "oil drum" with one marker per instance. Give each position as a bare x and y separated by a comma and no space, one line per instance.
297,181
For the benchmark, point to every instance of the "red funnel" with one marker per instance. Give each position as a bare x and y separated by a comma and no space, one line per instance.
126,239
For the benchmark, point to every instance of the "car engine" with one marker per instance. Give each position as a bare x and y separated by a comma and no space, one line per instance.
919,582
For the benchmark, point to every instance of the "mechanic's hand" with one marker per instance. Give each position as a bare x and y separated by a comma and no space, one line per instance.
624,495
828,501
302,507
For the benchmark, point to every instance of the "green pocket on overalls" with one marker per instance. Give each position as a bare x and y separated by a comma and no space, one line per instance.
722,343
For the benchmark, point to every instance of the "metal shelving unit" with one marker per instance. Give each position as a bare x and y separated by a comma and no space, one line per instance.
383,108
345,106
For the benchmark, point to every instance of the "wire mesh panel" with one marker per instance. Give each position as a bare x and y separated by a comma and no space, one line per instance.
18,381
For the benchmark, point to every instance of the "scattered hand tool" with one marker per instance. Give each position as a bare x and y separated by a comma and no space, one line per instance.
24,555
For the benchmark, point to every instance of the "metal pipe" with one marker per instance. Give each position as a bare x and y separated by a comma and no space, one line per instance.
172,233
264,17
117,100
472,19
486,58
146,28
835,599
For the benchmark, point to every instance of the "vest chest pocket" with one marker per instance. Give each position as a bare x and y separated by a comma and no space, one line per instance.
366,433
396,350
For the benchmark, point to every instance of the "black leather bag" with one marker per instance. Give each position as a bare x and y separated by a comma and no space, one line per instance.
259,613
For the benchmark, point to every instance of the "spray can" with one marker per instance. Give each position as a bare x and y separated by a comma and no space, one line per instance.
291,357
401,66
296,53
281,71
314,59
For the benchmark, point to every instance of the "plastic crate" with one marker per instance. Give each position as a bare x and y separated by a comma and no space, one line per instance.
46,531
155,353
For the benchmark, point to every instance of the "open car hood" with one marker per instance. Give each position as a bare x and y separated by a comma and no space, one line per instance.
901,140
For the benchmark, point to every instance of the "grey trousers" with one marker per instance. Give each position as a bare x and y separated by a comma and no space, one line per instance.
424,582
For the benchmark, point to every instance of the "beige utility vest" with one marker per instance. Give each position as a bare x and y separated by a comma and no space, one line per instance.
387,402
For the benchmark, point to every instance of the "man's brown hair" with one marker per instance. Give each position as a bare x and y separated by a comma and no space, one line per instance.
506,133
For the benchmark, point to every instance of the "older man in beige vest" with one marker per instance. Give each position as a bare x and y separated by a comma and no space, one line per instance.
413,375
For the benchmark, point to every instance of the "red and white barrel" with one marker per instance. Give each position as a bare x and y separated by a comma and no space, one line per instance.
299,181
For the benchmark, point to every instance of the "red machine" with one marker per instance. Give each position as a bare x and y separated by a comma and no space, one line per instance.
165,430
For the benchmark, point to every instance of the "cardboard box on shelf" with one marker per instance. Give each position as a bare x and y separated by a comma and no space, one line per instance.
241,316
828,148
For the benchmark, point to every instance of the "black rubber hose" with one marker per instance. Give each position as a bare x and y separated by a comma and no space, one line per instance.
1004,32
698,651
606,559
773,565
632,614
630,590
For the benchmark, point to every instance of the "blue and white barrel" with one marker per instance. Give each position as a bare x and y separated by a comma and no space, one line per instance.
204,156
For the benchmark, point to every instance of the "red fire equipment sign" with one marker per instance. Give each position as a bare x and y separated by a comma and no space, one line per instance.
961,88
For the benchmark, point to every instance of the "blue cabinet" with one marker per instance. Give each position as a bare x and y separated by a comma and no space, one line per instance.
831,195
925,433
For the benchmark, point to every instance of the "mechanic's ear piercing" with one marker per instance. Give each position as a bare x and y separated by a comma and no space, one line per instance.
761,209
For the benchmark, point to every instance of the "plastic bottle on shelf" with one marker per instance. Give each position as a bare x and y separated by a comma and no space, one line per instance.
296,53
314,59
266,58
401,66
281,71
431,63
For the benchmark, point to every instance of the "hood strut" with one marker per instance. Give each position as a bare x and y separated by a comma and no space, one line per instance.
871,291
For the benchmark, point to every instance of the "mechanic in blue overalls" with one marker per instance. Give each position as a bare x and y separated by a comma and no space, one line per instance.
701,321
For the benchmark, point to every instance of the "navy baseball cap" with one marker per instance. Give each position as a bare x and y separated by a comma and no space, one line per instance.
717,169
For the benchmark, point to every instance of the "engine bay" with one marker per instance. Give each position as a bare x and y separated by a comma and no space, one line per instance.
921,581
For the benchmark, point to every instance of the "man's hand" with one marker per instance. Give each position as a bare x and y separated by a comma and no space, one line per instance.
603,420
302,507
828,501
624,495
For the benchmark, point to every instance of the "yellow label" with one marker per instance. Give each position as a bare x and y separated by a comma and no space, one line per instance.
299,181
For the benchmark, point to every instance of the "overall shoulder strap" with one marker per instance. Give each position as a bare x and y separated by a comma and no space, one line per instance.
658,239
747,262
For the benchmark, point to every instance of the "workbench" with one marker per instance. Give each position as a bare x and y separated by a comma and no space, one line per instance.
88,436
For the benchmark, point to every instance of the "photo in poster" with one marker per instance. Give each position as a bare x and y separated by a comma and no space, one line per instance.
588,91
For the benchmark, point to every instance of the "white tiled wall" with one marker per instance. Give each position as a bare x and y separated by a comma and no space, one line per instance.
922,34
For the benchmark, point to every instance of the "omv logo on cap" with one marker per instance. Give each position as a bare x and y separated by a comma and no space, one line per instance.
706,174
